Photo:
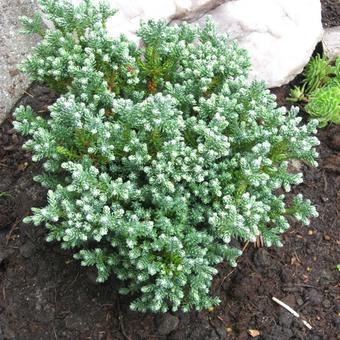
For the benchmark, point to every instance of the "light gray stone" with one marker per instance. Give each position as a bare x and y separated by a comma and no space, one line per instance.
14,48
167,324
331,42
280,35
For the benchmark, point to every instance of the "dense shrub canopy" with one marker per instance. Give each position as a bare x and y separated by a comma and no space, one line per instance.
156,157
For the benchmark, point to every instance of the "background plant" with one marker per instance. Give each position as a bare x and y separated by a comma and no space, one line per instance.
320,90
157,157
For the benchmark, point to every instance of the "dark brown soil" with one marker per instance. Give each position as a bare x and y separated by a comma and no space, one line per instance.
330,13
45,294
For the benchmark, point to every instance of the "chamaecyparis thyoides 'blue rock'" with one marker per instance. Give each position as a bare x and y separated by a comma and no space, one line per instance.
156,157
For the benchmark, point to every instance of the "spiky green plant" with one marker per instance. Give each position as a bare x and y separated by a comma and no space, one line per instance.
297,94
321,90
316,73
324,104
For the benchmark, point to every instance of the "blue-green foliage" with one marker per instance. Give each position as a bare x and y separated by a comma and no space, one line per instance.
156,157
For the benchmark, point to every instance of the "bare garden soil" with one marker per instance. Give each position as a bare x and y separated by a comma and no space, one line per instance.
46,294
330,13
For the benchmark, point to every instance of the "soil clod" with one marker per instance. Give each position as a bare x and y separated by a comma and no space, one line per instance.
168,324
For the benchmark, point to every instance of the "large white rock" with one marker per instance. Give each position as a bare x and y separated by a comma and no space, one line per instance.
280,35
331,42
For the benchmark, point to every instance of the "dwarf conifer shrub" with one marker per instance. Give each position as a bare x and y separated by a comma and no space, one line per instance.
155,157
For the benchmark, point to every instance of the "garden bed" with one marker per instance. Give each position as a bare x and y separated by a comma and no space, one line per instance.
46,294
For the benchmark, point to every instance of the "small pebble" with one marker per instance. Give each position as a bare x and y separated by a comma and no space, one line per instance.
314,296
299,301
168,324
326,303
221,332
